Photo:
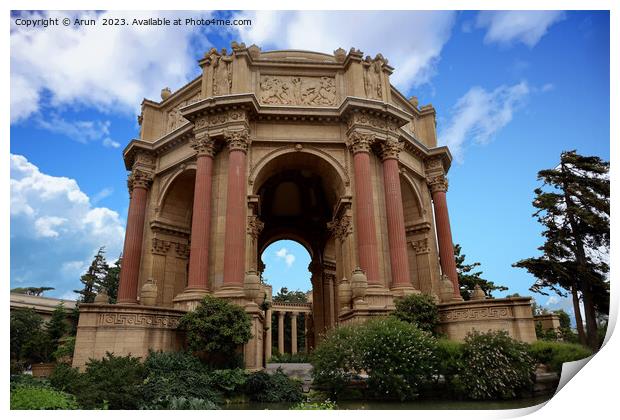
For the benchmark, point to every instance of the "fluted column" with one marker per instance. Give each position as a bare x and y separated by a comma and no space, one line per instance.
438,186
234,240
138,183
368,250
201,215
281,332
395,215
293,332
268,335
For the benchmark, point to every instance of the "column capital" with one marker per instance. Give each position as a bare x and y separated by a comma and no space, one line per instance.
294,314
203,144
139,179
390,149
360,141
255,226
341,227
437,183
281,314
237,139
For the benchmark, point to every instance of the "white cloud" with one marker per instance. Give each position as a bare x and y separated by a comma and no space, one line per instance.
285,255
412,41
106,192
479,115
526,26
108,142
110,68
55,229
80,131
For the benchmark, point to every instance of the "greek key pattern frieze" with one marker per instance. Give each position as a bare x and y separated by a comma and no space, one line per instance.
500,312
138,320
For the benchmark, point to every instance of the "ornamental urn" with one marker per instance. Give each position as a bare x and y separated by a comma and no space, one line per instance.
148,293
102,297
344,294
251,285
359,284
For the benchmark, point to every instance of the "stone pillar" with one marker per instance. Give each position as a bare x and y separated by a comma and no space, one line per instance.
395,215
234,240
368,250
138,183
316,269
281,332
293,332
438,186
268,335
201,215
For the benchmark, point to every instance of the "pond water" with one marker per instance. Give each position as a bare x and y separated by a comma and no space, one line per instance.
410,405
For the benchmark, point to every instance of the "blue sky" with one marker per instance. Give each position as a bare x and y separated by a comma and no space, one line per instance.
512,90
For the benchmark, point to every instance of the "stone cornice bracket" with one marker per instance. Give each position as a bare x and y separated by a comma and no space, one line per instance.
390,149
139,179
255,226
237,139
360,142
203,144
438,183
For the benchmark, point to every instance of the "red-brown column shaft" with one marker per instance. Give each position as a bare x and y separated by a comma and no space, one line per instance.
395,221
201,218
132,249
234,241
364,206
444,236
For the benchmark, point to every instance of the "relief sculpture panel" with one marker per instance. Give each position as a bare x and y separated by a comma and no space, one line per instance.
298,90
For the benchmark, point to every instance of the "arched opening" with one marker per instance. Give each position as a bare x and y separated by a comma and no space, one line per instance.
285,267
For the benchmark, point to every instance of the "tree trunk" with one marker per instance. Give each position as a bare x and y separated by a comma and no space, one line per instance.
578,320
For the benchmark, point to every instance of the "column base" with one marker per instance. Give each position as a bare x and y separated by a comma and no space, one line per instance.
233,293
189,299
379,297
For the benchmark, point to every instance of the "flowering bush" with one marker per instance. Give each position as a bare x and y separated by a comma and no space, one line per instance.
397,357
419,310
555,354
493,365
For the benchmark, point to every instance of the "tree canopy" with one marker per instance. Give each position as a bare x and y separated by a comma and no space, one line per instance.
468,278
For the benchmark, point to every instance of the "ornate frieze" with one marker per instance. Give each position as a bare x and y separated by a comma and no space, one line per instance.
255,226
139,179
373,121
159,246
181,250
203,144
221,118
298,90
138,320
237,139
421,246
174,119
359,141
468,314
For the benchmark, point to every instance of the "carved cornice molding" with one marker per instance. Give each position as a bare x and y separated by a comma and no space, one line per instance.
157,226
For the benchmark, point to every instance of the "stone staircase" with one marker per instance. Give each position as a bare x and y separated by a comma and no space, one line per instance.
301,371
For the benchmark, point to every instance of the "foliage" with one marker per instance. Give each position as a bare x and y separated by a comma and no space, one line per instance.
39,347
449,354
17,367
493,365
555,354
114,380
573,206
180,403
65,349
57,326
111,280
37,398
23,323
546,335
289,358
468,279
25,380
397,357
295,296
227,381
419,310
65,378
93,277
218,328
31,291
277,387
309,405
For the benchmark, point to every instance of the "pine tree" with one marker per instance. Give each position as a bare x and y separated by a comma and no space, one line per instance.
57,325
574,209
468,279
110,281
93,277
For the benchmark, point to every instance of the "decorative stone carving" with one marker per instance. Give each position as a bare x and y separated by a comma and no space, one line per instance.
221,118
298,90
174,118
478,293
340,55
139,179
421,246
493,312
359,284
222,71
341,227
182,250
251,285
372,78
255,226
374,121
344,294
203,145
102,297
446,289
148,293
159,246
237,139
165,93
139,320
437,183
390,149
360,142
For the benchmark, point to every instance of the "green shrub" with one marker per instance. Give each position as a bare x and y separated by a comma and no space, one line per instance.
228,382
493,366
25,380
277,387
555,354
65,349
449,354
17,367
397,356
114,380
419,310
23,323
289,358
38,398
180,403
218,328
309,405
65,378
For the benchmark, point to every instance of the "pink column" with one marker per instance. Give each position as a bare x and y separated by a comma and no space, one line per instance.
395,216
201,215
234,240
439,186
364,207
138,182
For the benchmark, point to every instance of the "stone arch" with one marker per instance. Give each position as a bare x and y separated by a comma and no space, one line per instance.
168,181
287,236
176,200
410,192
